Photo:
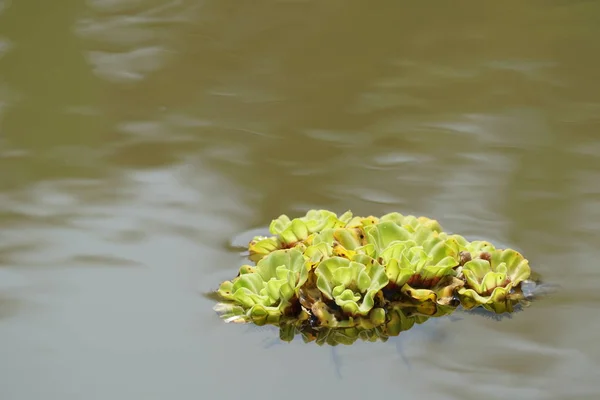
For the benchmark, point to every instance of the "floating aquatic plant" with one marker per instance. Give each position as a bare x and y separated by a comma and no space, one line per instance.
337,279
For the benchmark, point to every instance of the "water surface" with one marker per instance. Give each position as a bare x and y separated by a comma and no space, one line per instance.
139,138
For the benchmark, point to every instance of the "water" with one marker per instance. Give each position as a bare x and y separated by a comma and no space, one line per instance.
139,138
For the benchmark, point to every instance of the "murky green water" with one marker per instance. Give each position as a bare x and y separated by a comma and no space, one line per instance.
138,138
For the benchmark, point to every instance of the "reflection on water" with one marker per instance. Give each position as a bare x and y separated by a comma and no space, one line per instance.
138,137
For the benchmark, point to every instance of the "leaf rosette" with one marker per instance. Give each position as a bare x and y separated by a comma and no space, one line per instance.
288,233
352,285
263,293
338,279
489,280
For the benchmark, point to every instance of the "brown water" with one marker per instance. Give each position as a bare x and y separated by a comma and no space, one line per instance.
139,138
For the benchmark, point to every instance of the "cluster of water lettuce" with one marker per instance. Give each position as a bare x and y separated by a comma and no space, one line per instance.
343,277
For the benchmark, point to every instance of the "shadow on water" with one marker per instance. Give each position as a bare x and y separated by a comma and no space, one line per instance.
420,335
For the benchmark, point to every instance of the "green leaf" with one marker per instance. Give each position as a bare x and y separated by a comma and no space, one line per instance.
324,236
247,269
395,217
262,315
252,282
399,321
392,270
247,298
226,290
324,272
272,283
470,298
368,249
396,250
420,295
478,268
474,272
351,284
439,248
287,332
493,280
318,220
410,262
364,280
346,217
300,229
344,296
349,238
318,252
385,233
347,275
479,246
362,222
274,286
448,261
278,225
261,246
480,277
294,230
422,234
293,259
377,316
415,258
517,267
434,271
429,223
364,259
410,223
462,242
